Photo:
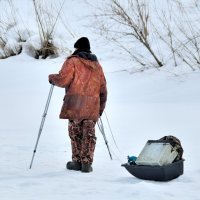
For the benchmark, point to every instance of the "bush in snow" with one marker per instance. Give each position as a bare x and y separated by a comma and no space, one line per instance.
38,43
12,33
47,18
126,23
152,33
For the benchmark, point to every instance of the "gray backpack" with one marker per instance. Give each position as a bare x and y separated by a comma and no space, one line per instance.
176,144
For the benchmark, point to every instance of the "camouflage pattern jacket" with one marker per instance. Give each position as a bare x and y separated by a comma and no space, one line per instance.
86,93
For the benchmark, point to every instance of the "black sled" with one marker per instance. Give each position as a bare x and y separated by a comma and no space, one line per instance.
156,173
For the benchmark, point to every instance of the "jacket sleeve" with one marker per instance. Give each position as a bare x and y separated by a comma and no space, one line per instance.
103,94
65,75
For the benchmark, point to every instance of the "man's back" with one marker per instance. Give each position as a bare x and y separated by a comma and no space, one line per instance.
85,88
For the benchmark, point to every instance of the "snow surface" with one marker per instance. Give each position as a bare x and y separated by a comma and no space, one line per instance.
141,106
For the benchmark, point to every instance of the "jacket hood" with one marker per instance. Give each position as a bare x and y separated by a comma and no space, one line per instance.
87,58
89,63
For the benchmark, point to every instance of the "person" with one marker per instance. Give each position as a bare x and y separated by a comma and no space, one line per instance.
85,98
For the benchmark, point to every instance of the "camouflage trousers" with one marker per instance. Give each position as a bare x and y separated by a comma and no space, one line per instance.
83,140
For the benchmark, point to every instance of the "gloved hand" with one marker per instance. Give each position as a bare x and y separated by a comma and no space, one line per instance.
51,83
50,79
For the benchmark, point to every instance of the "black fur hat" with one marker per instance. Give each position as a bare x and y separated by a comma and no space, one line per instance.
82,43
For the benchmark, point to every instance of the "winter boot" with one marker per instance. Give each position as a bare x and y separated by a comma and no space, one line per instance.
86,168
73,165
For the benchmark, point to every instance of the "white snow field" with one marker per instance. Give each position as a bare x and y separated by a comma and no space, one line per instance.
141,106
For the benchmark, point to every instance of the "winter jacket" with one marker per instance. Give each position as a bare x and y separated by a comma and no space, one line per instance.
86,93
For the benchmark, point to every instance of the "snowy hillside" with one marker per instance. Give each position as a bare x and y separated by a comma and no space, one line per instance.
141,106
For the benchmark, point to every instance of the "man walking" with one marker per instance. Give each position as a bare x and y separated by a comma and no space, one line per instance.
83,79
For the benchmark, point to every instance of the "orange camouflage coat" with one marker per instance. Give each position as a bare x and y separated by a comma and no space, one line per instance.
85,85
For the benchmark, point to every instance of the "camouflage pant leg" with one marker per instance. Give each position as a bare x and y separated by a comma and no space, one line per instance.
88,141
83,140
75,134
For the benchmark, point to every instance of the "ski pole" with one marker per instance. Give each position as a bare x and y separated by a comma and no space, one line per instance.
101,128
112,133
42,123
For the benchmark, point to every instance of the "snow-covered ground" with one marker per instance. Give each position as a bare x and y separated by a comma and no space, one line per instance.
141,106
